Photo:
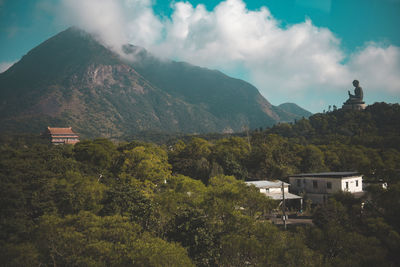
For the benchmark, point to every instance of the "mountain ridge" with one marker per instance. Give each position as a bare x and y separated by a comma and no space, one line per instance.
295,109
71,79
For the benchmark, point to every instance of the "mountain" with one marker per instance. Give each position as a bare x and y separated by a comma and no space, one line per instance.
73,80
295,109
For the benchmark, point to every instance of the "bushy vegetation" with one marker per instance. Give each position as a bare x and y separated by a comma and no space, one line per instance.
139,204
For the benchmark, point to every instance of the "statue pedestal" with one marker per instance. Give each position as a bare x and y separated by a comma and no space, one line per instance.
354,105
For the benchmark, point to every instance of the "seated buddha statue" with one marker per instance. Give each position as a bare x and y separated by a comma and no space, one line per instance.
358,94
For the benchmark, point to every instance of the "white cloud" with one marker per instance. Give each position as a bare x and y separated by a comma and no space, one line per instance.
142,26
103,18
378,66
294,63
114,22
5,66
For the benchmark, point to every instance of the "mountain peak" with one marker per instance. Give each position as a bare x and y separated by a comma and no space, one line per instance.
68,52
72,79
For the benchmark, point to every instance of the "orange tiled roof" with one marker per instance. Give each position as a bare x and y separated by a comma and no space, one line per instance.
61,130
65,136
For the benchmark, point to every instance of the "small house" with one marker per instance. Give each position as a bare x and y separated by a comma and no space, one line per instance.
273,189
318,186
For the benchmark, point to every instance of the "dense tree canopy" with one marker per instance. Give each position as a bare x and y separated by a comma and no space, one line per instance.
99,203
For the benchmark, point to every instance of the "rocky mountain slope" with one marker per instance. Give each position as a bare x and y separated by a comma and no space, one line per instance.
73,80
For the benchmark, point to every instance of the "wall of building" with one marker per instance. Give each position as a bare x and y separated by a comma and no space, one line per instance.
274,190
307,184
352,185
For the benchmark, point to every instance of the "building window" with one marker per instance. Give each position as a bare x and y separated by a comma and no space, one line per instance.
347,185
356,182
315,184
298,182
329,185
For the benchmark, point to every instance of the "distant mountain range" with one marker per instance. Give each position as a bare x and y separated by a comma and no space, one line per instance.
295,109
73,80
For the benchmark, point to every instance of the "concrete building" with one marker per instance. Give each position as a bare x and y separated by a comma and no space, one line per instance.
318,186
59,136
273,189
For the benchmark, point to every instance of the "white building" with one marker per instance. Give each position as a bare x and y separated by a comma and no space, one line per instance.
273,189
318,186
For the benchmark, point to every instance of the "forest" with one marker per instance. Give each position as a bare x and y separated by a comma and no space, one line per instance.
183,201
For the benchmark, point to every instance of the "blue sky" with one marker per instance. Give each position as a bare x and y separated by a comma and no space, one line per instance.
302,51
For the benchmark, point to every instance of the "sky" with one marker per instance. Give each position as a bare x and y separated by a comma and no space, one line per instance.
303,51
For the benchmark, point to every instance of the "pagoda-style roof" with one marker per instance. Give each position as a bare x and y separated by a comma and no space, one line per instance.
61,131
60,135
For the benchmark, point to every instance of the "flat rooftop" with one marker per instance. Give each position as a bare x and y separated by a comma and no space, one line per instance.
327,174
267,184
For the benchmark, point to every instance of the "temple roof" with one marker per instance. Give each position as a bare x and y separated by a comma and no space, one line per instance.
67,131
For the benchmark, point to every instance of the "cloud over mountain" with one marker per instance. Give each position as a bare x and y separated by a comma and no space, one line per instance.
5,65
286,63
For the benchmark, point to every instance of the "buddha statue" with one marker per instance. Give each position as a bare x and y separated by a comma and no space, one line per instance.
358,94
355,101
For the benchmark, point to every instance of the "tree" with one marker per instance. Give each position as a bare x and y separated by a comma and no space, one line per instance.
127,200
88,240
343,248
312,159
100,153
192,159
263,244
333,212
231,154
146,163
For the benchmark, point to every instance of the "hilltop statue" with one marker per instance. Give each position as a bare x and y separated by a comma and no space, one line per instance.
358,93
355,101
